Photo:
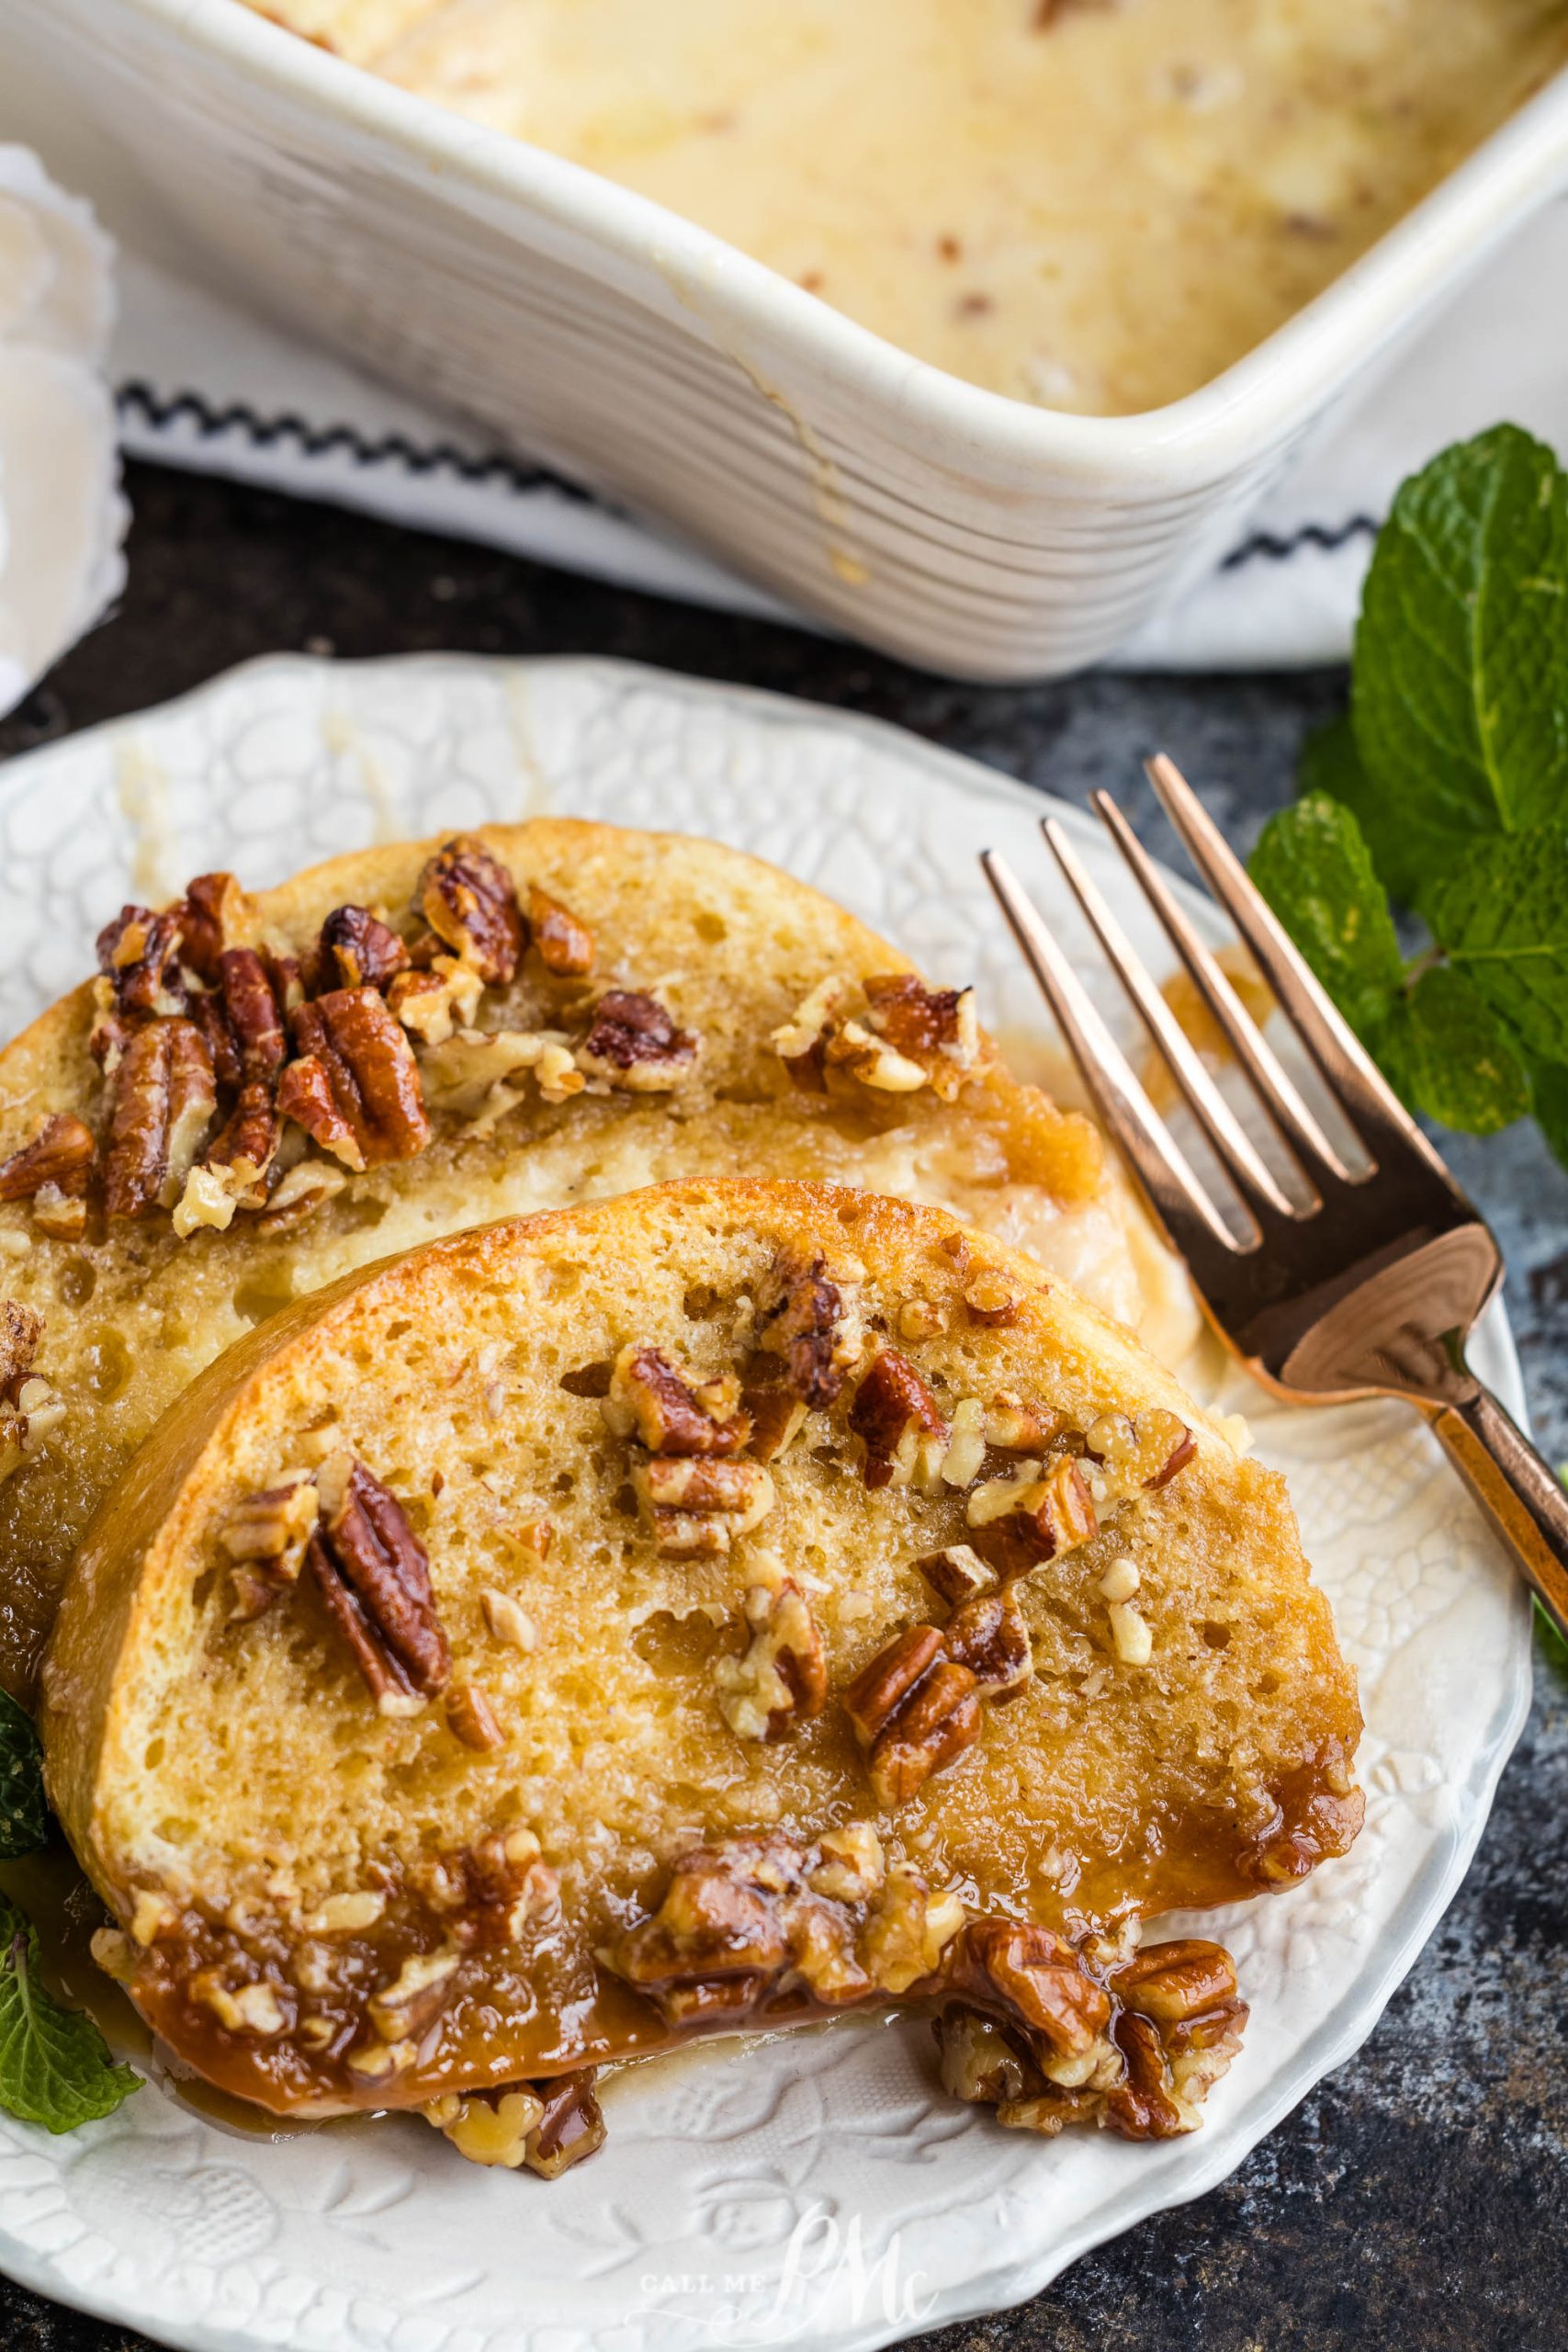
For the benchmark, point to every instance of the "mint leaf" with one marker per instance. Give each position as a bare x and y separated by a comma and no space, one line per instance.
1331,763
1548,1101
1503,917
1313,866
1447,1054
55,2067
24,1809
1459,693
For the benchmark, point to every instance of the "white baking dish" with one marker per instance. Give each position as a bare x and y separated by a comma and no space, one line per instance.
594,330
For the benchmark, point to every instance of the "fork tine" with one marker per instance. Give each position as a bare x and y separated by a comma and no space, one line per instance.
1364,1093
1269,1081
1196,1228
1224,1133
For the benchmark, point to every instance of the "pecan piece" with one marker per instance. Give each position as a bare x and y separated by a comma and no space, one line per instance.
633,1043
698,1503
934,1027
1014,1425
253,1009
565,945
30,1410
355,1089
569,2128
139,954
988,1636
801,1042
60,1151
265,1536
1029,1518
958,1574
892,1411
373,1575
776,1414
914,1711
1139,1455
491,1892
356,950
487,2127
802,1317
669,1413
207,913
163,1098
469,901
780,1678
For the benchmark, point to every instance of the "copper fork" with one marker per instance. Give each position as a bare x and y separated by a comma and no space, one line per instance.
1356,1281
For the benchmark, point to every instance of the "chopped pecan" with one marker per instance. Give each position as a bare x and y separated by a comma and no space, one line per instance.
988,1636
435,999
244,1148
491,1892
803,1318
1013,1425
139,954
965,1455
739,1921
373,1575
414,1998
254,1013
469,901
801,1042
914,1711
780,1678
299,1193
571,2127
565,945
60,1151
990,1299
30,1410
957,1573
1036,2033
471,1718
355,1089
1029,1518
776,1414
265,1536
355,949
164,1096
669,1413
698,1503
934,1027
1315,1814
208,914
892,1411
1138,1455
62,1215
479,1073
487,2127
633,1043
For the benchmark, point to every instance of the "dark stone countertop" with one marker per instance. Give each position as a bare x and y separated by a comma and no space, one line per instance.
1415,2200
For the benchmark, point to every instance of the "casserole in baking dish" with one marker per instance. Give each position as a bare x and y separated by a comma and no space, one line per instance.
642,353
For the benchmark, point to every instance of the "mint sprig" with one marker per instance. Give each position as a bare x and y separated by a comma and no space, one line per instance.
1444,790
55,2067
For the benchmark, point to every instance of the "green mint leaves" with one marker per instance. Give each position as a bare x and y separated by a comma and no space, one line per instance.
1446,788
24,1809
55,2067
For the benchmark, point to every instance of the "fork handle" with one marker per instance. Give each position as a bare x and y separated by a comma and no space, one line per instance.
1526,1501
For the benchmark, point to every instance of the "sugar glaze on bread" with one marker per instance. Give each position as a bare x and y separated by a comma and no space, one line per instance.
716,1607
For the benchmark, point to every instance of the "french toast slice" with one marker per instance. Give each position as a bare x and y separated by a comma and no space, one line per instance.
259,1094
713,1608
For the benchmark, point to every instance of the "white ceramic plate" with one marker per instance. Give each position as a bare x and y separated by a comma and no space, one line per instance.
819,2190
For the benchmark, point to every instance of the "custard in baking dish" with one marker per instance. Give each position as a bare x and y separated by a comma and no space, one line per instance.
1093,205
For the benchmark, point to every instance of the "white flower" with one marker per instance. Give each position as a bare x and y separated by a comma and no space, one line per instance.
62,515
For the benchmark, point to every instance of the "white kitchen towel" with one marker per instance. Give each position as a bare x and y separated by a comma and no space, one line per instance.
204,387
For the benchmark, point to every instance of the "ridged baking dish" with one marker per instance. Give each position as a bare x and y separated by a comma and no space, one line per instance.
591,328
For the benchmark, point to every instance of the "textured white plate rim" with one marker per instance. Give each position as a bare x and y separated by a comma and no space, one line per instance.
1204,2162
1267,391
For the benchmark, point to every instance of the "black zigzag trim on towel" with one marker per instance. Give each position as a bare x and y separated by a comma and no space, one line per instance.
1266,546
155,409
